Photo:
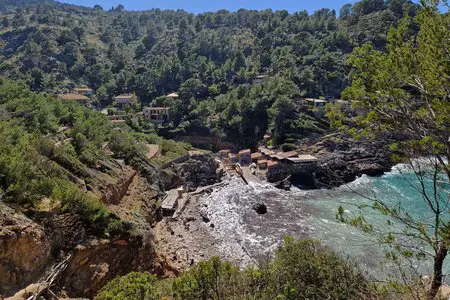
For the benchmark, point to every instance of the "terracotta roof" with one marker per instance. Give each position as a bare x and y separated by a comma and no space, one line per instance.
256,155
287,154
73,97
245,151
263,161
272,164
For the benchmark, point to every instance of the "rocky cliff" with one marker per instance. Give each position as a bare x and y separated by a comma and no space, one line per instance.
342,159
33,239
24,250
199,170
96,262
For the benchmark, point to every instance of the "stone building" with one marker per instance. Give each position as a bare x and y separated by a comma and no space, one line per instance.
156,114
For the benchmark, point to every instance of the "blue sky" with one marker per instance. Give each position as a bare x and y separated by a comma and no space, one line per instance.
198,6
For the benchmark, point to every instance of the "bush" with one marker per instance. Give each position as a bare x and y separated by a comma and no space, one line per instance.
131,286
300,270
288,147
309,270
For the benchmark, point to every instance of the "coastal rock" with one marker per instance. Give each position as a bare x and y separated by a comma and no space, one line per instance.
25,250
343,159
260,208
200,170
353,159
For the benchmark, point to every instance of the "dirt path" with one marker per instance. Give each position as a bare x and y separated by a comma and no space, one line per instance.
138,205
153,150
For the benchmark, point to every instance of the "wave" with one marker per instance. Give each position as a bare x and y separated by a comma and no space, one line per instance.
245,235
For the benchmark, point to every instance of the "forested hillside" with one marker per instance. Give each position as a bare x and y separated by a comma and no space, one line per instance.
210,59
52,46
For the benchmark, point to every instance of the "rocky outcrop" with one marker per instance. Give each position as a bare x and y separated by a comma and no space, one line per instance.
24,250
96,263
199,170
343,160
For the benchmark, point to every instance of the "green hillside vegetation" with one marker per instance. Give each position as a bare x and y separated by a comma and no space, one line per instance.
50,149
300,270
209,59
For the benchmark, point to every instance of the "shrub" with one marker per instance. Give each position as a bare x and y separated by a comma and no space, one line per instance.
288,147
300,270
131,286
308,270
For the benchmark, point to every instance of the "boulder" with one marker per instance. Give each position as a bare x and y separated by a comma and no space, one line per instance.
260,208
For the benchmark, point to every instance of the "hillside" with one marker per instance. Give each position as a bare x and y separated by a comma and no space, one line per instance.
64,171
154,52
96,190
210,59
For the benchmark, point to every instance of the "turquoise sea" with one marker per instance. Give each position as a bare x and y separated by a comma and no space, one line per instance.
246,236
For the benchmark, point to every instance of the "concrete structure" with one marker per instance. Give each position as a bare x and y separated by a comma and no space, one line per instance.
224,153
83,91
318,105
262,164
283,155
245,157
173,95
118,117
315,102
301,159
73,97
233,158
265,151
257,156
156,114
122,100
171,201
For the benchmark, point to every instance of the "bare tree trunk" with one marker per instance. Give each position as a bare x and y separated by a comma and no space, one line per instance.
436,281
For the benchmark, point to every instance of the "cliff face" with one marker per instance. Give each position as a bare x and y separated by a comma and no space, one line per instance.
95,263
345,159
24,250
29,246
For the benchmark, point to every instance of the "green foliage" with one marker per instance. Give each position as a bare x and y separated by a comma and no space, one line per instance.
300,270
155,52
403,92
48,147
308,270
288,147
132,286
210,59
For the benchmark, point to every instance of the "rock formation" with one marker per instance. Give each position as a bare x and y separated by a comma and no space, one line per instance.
25,250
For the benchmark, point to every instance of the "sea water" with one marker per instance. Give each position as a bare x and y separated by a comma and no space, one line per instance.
247,236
